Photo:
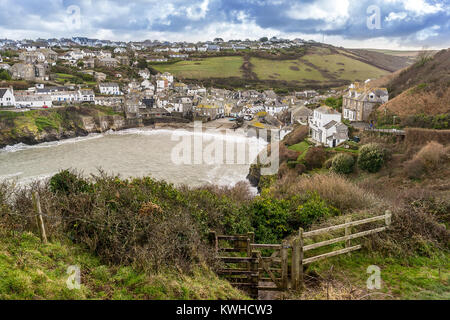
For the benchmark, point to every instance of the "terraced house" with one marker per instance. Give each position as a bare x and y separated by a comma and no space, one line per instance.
360,100
7,97
326,127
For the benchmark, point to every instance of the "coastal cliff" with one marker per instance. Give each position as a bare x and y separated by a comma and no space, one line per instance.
37,126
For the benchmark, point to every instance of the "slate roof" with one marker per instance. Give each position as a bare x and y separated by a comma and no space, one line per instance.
2,92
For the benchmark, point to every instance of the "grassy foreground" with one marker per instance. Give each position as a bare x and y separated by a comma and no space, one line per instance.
31,270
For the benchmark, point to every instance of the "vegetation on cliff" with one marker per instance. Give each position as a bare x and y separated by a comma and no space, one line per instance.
37,126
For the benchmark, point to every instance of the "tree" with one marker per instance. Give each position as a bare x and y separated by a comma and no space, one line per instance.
371,157
342,163
264,39
142,64
4,75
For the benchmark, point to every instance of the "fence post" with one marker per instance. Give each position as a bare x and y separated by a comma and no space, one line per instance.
251,236
300,259
388,219
38,209
295,264
254,277
249,253
284,265
348,231
213,240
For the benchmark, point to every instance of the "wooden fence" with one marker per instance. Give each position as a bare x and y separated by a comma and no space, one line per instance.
255,267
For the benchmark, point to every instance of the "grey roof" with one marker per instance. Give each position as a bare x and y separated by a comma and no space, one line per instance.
326,110
2,92
330,124
302,111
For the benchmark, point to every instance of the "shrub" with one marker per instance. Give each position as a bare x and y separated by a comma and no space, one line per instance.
328,163
343,163
315,157
431,155
68,182
336,190
371,157
313,210
270,219
297,135
414,168
287,154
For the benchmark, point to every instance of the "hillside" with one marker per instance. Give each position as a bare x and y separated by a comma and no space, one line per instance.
423,87
313,66
31,270
37,126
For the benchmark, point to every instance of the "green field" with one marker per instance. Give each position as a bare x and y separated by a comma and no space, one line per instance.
344,68
219,67
289,70
321,66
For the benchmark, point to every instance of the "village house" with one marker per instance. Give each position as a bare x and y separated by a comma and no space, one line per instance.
120,50
123,60
32,100
326,127
145,74
23,71
107,62
147,85
32,57
69,97
89,63
115,102
7,97
86,95
275,107
361,99
110,88
157,59
301,115
99,76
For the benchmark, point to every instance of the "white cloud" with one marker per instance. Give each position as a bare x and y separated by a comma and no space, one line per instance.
197,12
396,16
335,13
427,33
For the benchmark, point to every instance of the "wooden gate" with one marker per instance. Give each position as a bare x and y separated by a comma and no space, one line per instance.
249,266
239,264
279,267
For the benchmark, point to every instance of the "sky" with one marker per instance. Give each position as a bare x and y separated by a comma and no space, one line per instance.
387,24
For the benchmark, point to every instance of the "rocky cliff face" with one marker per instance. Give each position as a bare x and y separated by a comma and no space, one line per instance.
51,125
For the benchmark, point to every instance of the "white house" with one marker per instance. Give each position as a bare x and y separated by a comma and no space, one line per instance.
275,108
86,95
147,84
7,97
64,96
34,100
326,127
145,74
120,50
110,88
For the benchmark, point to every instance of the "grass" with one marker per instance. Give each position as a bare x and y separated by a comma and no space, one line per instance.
337,65
267,69
31,270
345,68
413,277
301,147
217,67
